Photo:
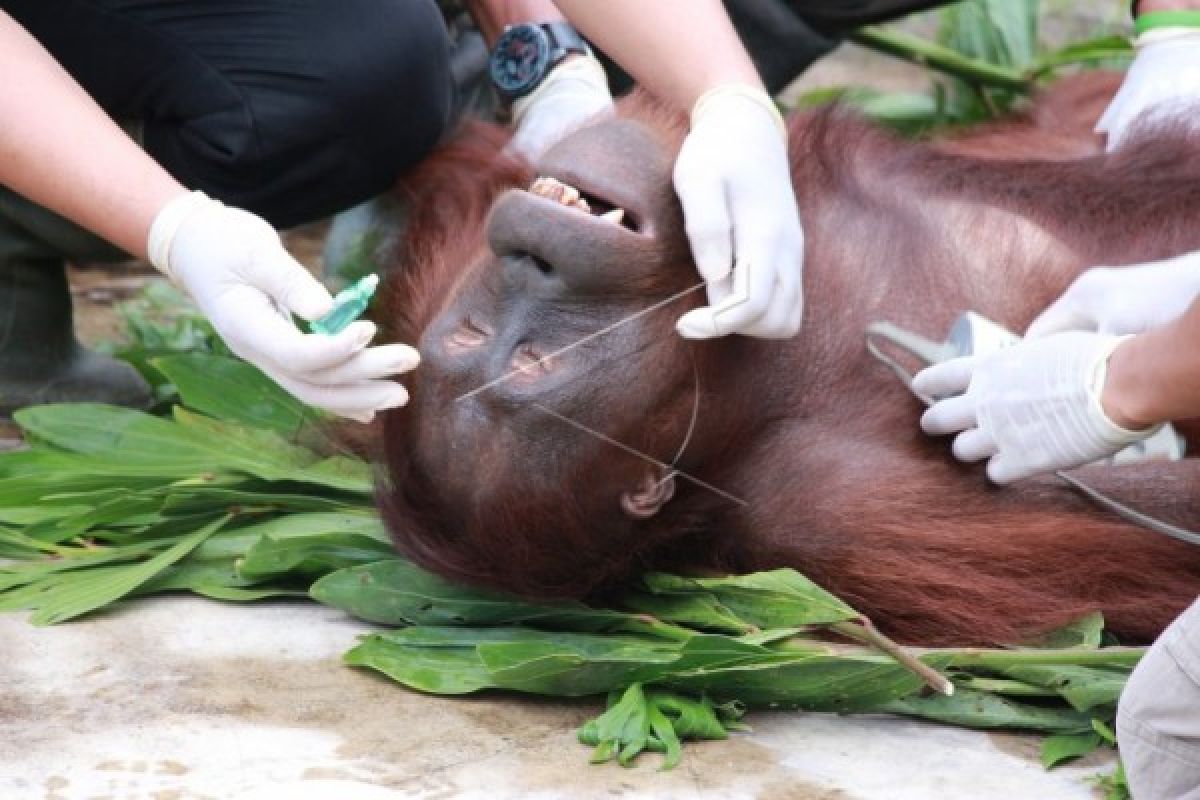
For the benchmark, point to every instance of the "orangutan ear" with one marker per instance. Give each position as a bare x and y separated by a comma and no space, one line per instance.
644,501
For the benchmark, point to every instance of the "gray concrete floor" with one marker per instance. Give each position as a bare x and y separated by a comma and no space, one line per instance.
180,698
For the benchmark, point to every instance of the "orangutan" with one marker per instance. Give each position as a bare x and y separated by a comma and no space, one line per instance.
545,460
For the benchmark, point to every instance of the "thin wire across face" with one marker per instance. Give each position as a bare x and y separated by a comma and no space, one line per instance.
607,329
671,470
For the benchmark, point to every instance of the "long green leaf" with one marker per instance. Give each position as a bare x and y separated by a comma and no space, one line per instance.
397,592
106,585
187,442
971,709
312,556
232,390
1063,747
780,598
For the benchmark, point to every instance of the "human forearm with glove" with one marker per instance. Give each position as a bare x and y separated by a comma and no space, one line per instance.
573,90
1164,78
1115,356
59,149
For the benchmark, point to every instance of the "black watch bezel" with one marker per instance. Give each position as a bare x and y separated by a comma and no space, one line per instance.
525,53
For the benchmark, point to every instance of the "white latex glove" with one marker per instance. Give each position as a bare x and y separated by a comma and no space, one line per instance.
1125,300
1164,80
574,91
234,266
734,182
1033,407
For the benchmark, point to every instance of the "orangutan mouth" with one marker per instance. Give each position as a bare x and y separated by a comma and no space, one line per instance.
567,195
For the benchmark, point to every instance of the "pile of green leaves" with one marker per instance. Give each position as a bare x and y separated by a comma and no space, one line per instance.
682,657
221,498
229,496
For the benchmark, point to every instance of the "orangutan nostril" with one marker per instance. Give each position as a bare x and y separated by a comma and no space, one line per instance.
526,360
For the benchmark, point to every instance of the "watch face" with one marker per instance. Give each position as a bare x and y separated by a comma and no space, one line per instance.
519,59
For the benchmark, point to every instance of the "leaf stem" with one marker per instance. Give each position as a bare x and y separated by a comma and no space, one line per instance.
1076,657
646,623
863,630
935,56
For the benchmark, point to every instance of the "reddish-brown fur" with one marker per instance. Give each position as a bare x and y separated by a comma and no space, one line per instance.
817,438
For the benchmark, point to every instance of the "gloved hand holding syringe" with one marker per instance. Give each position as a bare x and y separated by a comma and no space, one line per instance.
233,264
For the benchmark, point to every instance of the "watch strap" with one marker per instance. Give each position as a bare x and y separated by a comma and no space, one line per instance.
564,40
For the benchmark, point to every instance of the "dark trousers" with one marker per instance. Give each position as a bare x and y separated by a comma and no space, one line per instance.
293,109
785,36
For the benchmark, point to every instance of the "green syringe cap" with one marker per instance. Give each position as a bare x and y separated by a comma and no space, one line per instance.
348,305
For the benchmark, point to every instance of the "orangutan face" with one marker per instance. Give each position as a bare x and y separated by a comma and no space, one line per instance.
539,379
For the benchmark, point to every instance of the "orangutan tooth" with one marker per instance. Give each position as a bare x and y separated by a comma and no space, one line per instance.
570,195
615,216
543,187
559,192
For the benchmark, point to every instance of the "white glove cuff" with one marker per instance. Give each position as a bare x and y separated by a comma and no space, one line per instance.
1158,35
716,98
167,223
1109,430
584,68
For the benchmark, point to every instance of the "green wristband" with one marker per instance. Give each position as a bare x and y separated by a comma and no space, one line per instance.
1153,20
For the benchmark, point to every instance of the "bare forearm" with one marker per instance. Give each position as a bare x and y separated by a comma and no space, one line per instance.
678,49
59,149
1155,377
1168,5
492,16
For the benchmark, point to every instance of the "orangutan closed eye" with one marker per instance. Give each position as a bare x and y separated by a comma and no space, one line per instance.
561,436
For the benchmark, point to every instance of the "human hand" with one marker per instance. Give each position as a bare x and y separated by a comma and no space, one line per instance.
574,91
1163,81
1124,300
734,182
234,266
1030,408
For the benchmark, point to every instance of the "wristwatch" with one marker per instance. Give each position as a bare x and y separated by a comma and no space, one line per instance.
525,53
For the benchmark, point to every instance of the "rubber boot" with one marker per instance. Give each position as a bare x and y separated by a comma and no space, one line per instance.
41,361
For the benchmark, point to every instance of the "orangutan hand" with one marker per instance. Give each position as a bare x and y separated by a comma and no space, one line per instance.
1033,407
1162,82
734,182
233,265
574,92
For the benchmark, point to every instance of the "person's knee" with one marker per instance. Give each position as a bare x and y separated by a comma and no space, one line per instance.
391,88
1158,717
360,91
